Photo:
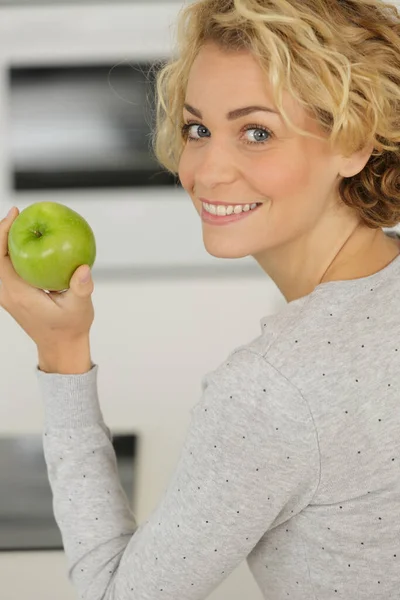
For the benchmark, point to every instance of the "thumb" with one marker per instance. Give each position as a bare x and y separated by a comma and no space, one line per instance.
81,282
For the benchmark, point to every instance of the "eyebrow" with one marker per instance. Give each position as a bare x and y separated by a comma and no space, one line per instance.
234,114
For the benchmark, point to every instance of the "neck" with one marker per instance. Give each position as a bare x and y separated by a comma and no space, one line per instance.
364,251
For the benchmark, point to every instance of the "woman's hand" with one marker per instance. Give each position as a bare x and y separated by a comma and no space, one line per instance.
50,319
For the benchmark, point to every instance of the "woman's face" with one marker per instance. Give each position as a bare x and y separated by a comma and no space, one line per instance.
256,158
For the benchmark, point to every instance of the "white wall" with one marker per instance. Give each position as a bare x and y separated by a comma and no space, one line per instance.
178,330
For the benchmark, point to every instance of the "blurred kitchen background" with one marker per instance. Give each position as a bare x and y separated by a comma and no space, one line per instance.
76,116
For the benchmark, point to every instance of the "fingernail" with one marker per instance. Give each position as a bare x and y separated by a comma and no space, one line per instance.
85,277
9,212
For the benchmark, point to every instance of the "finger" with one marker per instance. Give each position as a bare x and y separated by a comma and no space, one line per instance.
15,284
6,267
7,271
5,226
80,289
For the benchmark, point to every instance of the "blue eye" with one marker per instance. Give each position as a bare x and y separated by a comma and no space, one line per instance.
259,128
186,129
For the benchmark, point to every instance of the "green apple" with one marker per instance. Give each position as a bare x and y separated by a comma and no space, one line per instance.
47,242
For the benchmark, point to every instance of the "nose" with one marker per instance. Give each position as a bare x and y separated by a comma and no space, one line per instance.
214,165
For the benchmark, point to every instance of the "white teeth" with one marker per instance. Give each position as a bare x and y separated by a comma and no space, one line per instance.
223,211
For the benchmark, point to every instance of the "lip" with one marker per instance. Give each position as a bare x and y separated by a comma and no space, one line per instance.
227,203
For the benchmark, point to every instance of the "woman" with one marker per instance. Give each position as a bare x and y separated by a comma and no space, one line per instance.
292,457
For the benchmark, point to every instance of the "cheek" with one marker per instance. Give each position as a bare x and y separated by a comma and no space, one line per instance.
294,186
279,178
290,179
186,172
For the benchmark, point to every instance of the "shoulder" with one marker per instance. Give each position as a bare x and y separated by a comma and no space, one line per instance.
247,378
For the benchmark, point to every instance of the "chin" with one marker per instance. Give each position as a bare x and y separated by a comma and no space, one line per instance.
225,249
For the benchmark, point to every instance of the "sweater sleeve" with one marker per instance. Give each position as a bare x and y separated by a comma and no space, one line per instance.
250,461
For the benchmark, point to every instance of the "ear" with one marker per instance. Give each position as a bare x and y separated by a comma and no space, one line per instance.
354,164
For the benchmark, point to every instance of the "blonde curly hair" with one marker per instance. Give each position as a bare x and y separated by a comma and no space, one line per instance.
340,59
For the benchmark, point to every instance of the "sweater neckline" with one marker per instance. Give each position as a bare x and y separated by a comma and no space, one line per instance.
344,285
335,290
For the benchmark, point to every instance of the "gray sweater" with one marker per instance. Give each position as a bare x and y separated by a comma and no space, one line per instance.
291,462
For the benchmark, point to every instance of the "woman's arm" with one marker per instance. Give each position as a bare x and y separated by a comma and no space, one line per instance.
243,465
70,358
